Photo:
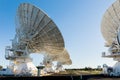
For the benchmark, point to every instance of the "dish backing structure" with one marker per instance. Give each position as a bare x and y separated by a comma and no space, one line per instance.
110,29
35,33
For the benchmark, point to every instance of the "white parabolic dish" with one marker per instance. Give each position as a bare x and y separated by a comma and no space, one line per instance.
35,33
110,29
111,23
36,30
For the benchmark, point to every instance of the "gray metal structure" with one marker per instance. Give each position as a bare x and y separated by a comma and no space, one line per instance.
111,23
110,29
35,33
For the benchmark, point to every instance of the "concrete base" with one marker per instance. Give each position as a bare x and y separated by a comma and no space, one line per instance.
24,66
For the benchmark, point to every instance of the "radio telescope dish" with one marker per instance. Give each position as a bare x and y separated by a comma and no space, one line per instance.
37,30
35,33
110,29
111,23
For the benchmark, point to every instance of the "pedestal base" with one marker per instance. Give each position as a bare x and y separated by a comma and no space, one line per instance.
24,67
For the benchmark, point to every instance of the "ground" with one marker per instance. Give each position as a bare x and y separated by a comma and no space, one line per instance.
77,72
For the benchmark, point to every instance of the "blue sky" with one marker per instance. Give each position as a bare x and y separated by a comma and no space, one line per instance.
78,20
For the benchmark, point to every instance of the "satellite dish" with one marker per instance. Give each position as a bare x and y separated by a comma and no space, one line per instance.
37,30
110,29
35,33
111,23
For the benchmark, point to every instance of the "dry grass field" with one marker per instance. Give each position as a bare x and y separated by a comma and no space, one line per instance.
76,72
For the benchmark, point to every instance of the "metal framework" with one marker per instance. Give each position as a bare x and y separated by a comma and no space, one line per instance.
35,33
111,23
110,29
37,30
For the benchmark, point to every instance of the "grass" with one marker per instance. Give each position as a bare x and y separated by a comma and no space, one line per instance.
77,72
